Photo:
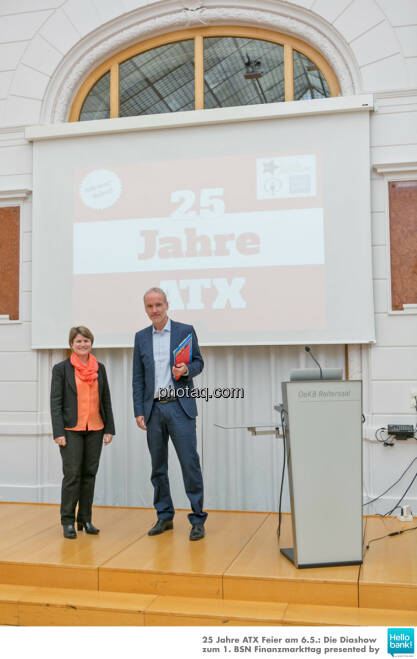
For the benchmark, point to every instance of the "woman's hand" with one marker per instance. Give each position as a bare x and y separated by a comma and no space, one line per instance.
107,438
61,441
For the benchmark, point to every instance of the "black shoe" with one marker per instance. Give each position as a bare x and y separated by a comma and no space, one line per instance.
161,526
69,531
197,532
89,528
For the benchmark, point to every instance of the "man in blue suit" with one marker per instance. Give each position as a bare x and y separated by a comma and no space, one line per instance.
164,416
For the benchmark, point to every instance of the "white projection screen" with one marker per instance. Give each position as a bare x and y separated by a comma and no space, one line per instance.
258,230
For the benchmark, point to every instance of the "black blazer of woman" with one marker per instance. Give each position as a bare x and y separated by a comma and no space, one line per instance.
64,406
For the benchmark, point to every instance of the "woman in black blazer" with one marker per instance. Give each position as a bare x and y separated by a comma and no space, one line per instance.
82,419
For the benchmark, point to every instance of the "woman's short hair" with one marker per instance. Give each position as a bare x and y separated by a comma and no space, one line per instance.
84,331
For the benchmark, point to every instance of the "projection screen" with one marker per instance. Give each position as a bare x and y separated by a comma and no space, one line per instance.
258,230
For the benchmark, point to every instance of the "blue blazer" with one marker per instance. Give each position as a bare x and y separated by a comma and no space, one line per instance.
144,370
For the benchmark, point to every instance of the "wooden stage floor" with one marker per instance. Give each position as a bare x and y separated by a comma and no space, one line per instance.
235,575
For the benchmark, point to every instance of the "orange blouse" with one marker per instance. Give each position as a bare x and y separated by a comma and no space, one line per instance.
88,406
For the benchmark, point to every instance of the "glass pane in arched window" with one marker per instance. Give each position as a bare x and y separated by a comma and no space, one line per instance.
308,81
97,102
240,71
158,80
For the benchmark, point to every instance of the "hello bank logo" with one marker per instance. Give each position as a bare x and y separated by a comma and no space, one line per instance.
401,641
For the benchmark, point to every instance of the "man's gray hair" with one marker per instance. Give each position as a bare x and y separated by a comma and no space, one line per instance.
155,289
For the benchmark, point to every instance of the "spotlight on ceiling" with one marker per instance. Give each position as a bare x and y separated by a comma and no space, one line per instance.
253,68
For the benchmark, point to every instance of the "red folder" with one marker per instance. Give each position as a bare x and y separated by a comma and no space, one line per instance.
183,354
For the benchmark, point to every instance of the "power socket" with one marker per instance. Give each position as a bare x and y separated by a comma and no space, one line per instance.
401,431
406,514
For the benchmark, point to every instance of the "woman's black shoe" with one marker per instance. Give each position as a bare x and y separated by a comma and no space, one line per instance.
69,531
89,527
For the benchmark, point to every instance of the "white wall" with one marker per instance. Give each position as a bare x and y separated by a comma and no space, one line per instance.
46,48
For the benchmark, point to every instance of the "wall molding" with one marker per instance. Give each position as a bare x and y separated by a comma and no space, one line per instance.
14,196
396,93
29,430
388,168
32,494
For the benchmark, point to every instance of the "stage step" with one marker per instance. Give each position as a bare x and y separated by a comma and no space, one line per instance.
25,605
238,560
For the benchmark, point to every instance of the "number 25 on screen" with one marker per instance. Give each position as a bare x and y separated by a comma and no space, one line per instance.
211,203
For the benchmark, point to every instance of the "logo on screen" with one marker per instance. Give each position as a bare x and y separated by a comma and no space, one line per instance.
286,177
100,189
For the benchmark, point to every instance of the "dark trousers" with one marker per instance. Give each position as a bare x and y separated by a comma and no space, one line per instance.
169,420
80,460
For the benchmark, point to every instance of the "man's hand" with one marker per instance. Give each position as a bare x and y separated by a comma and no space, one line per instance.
140,420
61,441
107,438
179,370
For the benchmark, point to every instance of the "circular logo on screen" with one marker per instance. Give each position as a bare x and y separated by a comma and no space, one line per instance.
100,189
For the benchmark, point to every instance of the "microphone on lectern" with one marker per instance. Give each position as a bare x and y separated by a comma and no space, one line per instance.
308,349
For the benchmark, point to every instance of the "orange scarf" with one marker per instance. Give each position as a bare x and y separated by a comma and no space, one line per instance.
86,372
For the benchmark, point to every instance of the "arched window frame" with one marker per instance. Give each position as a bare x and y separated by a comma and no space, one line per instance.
198,34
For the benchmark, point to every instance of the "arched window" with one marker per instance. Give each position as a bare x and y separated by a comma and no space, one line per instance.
204,68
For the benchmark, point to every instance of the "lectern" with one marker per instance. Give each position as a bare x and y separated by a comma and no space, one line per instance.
324,439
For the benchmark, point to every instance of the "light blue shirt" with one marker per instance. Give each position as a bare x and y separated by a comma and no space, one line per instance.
161,353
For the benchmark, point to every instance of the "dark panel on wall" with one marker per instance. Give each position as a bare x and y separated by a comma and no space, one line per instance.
403,239
9,261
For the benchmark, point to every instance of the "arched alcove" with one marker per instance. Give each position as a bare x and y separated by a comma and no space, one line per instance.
152,21
204,68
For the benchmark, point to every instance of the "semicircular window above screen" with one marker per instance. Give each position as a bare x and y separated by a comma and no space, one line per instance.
97,103
309,82
158,80
242,72
204,71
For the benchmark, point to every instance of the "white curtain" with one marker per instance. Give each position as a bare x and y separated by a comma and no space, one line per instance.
241,472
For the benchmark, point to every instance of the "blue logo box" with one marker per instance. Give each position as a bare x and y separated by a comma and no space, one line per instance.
400,641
